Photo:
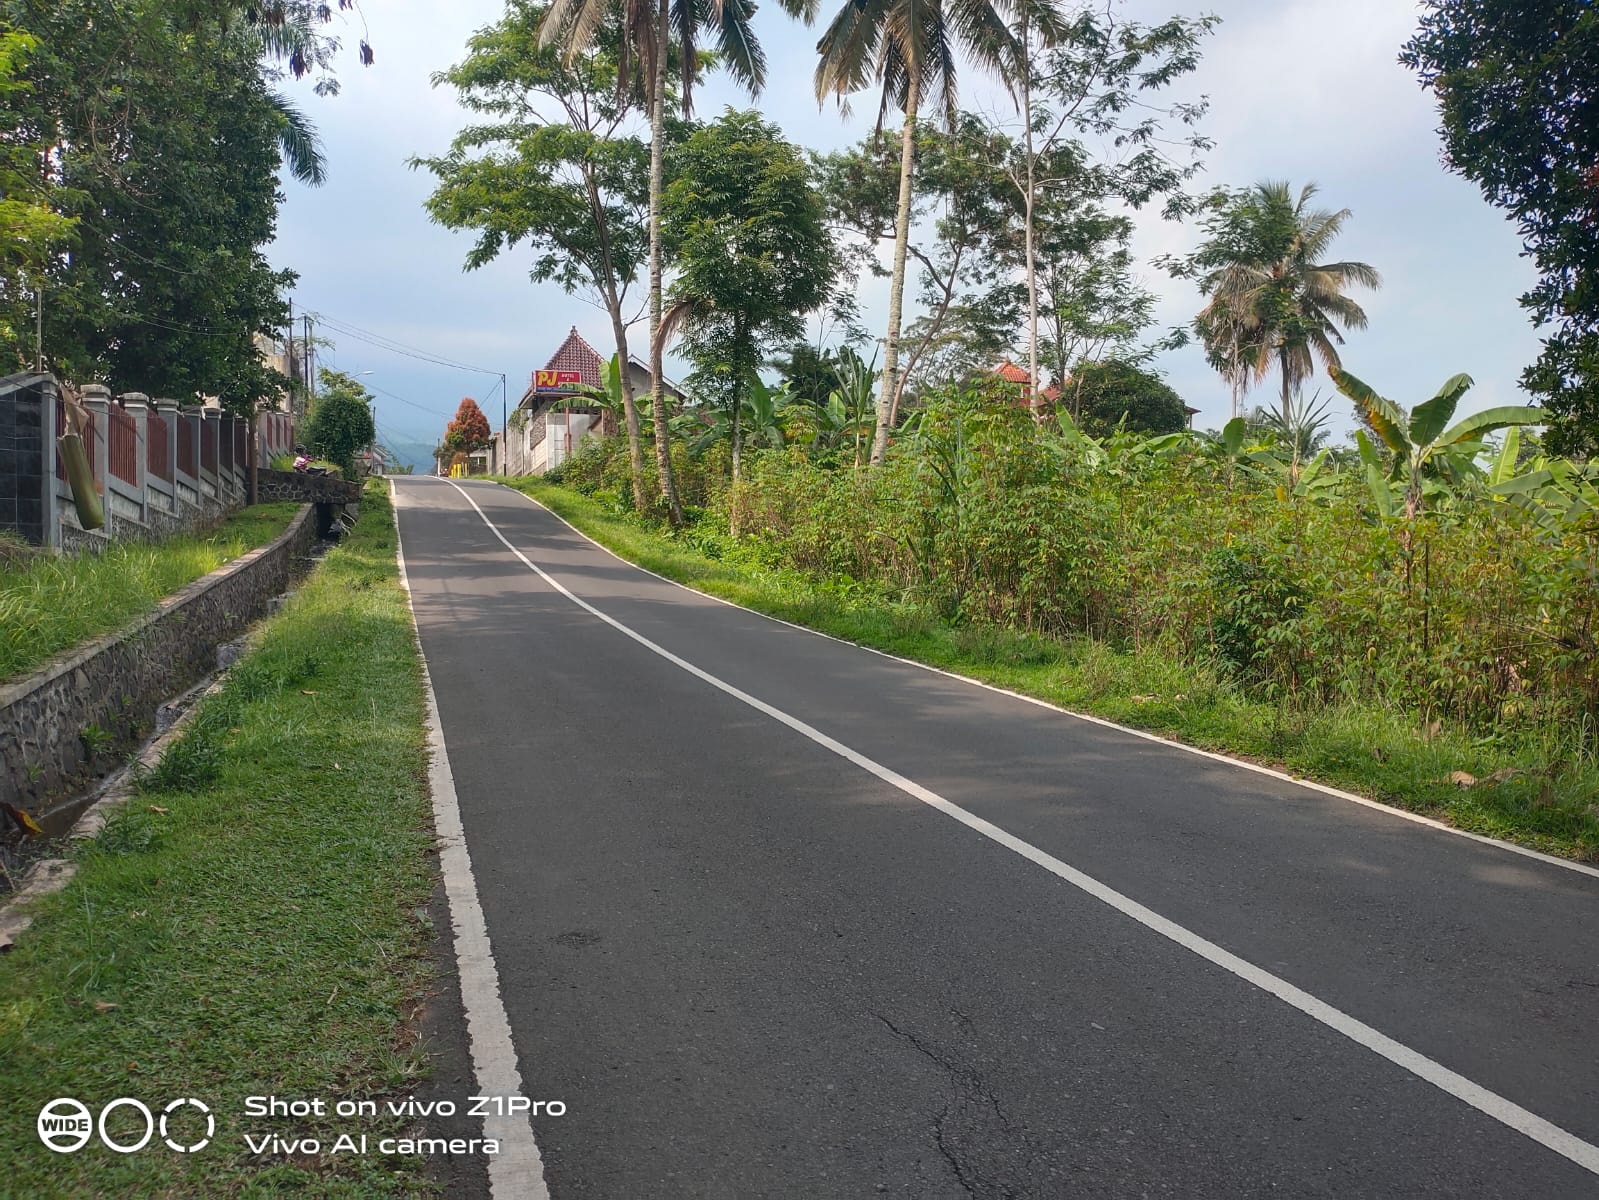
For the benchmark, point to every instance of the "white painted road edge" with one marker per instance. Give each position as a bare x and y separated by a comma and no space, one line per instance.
1544,1132
517,1171
1243,763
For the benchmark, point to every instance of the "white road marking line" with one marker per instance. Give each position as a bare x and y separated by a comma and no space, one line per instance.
1269,772
1491,1104
517,1171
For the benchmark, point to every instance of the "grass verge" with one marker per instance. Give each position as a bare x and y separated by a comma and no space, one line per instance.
253,922
51,603
1371,750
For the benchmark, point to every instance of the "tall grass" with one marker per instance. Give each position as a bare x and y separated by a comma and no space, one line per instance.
49,603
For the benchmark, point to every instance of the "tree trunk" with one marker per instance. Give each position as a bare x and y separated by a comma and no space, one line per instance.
635,441
896,290
1032,261
613,304
1288,412
738,451
663,449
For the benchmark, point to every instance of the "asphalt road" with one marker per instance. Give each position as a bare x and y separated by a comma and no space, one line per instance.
755,957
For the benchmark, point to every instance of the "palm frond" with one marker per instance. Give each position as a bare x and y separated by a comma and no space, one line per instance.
298,142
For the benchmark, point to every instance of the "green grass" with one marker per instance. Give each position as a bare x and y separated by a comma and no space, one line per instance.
51,603
1375,751
265,932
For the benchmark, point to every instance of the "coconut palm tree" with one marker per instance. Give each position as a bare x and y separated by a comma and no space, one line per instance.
1274,305
909,48
651,30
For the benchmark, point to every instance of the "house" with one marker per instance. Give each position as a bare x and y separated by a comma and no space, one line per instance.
557,411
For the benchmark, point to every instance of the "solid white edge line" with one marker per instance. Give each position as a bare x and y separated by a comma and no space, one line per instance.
1491,1104
1270,772
517,1171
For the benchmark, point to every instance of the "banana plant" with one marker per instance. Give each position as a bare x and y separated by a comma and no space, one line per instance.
1425,452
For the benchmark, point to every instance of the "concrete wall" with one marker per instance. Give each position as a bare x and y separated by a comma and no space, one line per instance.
117,682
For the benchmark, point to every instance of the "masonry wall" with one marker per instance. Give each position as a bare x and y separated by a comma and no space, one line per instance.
117,682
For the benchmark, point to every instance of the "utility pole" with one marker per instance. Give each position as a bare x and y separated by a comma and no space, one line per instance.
505,424
38,326
310,379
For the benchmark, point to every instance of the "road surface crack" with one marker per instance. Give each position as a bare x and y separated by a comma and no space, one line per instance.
968,1086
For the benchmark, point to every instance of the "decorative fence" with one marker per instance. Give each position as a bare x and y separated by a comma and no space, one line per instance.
156,467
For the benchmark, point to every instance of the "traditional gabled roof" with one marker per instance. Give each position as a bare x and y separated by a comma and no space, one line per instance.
577,355
1010,372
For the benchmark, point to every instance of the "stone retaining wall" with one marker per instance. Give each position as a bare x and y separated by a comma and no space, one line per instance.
115,683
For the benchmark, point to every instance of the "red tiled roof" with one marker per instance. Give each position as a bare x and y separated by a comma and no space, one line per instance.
1010,372
577,355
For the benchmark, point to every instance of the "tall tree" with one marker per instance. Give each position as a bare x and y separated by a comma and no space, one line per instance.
648,32
341,423
1274,305
1518,88
910,48
964,269
753,253
1093,76
31,228
163,135
557,166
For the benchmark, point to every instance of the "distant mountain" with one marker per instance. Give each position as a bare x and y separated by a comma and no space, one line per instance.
418,455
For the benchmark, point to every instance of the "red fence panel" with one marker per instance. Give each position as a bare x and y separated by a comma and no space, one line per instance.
158,453
122,444
208,445
225,441
188,460
241,443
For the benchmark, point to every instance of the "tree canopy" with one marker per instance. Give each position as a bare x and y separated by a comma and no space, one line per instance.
1518,89
1102,395
341,423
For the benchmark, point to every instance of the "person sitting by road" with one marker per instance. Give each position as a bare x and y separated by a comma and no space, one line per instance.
303,463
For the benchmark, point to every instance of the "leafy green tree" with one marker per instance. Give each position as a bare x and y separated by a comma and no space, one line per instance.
1103,396
965,271
341,423
646,37
164,146
753,254
1274,305
1518,88
1094,77
910,49
556,166
810,372
30,227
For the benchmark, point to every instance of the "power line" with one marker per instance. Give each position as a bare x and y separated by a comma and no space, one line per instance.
384,342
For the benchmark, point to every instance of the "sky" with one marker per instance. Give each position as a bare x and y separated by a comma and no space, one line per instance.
1301,90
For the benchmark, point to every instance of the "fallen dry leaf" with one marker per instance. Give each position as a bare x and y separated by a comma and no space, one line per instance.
1463,779
103,1006
156,808
307,692
336,767
26,823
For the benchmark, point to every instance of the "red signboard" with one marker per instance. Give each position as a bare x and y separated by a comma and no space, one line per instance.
556,381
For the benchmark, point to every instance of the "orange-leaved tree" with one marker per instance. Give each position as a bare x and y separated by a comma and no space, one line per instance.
469,432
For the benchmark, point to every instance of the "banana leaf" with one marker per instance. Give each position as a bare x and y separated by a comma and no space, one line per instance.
81,479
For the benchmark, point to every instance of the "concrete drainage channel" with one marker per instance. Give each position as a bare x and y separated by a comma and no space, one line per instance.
42,865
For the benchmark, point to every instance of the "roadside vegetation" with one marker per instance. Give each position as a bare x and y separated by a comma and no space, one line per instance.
1211,589
49,603
253,922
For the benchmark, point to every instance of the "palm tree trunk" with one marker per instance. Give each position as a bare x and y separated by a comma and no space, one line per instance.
1288,409
663,450
1032,254
896,289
